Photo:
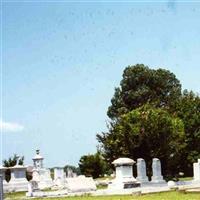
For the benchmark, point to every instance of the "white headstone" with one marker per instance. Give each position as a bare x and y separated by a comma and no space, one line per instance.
156,169
141,171
59,176
35,175
196,170
171,184
45,179
70,173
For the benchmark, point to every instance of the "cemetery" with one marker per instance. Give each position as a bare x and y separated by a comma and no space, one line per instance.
100,100
123,183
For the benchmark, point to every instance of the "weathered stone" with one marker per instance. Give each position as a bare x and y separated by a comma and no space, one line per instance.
59,177
18,181
171,184
156,168
141,171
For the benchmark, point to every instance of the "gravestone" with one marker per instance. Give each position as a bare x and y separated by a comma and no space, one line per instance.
35,175
45,180
70,173
141,171
59,176
80,184
196,171
124,174
18,181
156,169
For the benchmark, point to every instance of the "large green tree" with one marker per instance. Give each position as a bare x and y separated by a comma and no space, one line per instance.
141,85
93,165
146,132
151,117
189,111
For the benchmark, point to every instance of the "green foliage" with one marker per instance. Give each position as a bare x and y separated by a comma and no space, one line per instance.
188,110
93,165
146,132
141,85
12,161
150,117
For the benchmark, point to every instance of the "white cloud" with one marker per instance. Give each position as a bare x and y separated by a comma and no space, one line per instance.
10,126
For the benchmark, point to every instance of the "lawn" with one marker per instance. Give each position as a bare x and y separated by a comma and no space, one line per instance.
159,196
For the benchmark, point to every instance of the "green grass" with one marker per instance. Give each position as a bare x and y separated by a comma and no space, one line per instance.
15,195
186,179
104,178
100,187
158,196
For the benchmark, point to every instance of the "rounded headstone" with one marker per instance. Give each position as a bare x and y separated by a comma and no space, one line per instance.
171,184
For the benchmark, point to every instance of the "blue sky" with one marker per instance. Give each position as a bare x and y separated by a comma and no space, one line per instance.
61,62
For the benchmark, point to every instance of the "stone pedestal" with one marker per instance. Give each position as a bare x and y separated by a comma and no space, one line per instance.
1,186
141,171
156,169
18,181
196,171
124,174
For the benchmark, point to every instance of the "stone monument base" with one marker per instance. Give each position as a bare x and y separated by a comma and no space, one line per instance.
157,180
125,183
17,185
